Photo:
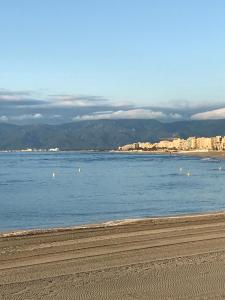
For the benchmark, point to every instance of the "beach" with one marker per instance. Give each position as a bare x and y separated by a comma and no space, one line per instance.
204,154
156,258
196,153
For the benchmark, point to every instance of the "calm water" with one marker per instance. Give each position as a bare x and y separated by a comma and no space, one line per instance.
109,186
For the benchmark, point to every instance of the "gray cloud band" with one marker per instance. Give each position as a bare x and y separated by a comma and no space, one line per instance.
23,106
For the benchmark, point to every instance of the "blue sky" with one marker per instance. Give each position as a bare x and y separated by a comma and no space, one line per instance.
132,53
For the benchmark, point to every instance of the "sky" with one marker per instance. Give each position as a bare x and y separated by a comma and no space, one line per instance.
74,60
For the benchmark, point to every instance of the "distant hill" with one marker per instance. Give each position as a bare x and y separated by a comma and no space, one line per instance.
102,134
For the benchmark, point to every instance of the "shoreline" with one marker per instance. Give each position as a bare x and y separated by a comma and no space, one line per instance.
210,154
195,153
114,223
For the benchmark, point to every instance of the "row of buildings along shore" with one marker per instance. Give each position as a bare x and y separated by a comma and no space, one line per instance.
216,143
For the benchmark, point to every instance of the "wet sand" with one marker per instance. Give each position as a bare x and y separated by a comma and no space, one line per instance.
205,154
157,258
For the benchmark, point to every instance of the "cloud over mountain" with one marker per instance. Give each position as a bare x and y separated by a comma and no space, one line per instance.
7,95
215,114
27,107
76,100
128,114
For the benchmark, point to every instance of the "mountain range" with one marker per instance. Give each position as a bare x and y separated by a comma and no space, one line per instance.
102,134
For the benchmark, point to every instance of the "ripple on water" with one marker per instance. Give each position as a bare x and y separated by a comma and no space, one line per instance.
109,186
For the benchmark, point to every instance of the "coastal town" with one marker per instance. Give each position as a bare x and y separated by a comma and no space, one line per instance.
216,143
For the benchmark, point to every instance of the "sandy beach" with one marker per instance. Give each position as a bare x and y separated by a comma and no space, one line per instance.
204,154
212,154
157,258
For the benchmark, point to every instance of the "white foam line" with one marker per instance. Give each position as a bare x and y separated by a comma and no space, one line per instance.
109,224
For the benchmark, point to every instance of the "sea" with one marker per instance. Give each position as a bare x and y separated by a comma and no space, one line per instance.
61,189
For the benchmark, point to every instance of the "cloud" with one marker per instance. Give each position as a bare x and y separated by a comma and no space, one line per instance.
174,116
55,117
31,100
23,103
26,106
4,119
76,100
26,117
127,114
18,99
215,114
6,95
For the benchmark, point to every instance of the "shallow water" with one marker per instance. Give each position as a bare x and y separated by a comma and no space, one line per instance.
109,186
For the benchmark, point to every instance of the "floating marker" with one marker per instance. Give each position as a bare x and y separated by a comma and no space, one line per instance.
53,175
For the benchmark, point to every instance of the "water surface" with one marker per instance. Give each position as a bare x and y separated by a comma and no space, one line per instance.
109,186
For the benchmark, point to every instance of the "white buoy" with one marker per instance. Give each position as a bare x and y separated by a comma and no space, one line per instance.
220,168
188,174
180,169
79,170
53,175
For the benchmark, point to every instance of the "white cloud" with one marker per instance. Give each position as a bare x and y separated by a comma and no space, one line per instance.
55,117
27,117
210,115
75,101
175,116
127,114
6,95
4,119
103,112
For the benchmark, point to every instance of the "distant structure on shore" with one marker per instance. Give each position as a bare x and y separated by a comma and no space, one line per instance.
33,150
216,143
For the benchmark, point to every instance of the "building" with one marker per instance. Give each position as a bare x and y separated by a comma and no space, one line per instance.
216,143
